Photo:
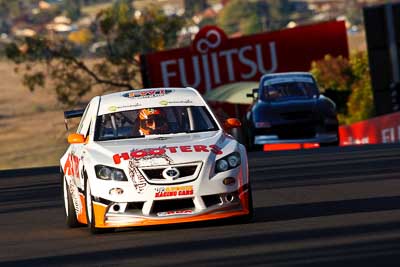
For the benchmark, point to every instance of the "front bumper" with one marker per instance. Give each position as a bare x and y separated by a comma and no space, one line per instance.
157,212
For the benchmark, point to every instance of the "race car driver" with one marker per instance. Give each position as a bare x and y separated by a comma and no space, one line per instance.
152,121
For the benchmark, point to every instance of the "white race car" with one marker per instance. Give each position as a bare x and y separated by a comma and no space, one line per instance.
153,156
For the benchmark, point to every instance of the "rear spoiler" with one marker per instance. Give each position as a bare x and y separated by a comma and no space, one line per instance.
73,113
69,114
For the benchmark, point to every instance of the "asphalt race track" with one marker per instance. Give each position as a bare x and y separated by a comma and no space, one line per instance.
321,207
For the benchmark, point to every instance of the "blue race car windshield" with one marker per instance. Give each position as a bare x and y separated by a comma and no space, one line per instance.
283,91
166,120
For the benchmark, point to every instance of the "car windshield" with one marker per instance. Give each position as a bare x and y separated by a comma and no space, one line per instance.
289,90
153,121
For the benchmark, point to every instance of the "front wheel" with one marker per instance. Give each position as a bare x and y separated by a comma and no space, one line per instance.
91,219
70,213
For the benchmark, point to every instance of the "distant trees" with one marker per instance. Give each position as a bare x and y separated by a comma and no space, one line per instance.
194,6
72,8
354,12
348,83
14,8
255,16
240,15
55,62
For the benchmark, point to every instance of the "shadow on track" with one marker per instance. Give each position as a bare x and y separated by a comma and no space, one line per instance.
328,208
383,252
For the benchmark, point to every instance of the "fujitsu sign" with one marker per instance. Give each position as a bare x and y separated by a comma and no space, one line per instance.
214,59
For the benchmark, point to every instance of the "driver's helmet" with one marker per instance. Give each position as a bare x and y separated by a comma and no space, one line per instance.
152,121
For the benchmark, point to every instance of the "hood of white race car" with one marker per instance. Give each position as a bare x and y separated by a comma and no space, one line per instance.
164,149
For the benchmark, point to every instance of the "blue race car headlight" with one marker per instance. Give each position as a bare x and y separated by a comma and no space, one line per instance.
109,173
228,162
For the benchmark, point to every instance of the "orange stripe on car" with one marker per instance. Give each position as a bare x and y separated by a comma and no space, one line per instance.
82,216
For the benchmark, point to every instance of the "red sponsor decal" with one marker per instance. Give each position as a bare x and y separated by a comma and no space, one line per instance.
200,148
117,157
216,149
379,130
147,93
213,59
138,154
71,166
173,191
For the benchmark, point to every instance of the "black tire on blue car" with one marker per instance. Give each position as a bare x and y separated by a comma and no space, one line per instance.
70,213
251,146
335,143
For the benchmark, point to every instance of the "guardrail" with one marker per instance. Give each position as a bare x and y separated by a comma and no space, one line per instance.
29,171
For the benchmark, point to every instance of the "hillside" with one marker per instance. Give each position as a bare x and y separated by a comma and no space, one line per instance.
32,131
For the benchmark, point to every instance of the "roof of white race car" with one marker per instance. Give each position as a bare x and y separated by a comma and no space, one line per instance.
152,97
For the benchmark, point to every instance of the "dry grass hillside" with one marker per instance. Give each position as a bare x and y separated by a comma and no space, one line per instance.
32,131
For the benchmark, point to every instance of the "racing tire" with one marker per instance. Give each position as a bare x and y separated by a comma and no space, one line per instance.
70,213
250,143
90,216
335,143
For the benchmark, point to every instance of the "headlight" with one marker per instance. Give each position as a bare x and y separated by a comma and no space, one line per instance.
109,173
228,162
222,165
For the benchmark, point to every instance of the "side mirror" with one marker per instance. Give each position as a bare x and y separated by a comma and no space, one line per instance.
254,93
76,138
232,123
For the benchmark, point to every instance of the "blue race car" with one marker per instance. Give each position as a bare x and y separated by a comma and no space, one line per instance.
288,108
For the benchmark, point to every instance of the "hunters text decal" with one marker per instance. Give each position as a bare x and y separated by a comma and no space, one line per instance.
157,152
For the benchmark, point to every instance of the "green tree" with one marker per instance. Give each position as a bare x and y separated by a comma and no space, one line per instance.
255,16
240,15
348,83
361,102
354,12
72,8
55,61
278,15
194,6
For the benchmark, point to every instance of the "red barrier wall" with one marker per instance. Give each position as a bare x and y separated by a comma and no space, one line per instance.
379,130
